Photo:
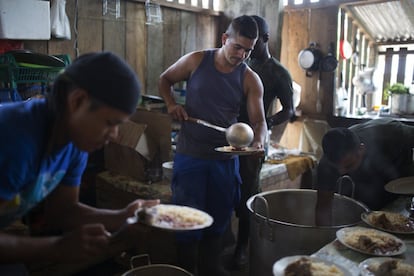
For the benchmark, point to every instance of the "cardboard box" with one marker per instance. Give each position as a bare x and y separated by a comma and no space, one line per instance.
143,144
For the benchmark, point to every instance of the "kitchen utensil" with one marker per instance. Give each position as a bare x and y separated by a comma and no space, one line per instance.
329,62
167,170
401,186
345,49
238,135
309,59
243,151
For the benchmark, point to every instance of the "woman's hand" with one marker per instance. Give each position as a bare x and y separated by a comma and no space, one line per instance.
132,207
84,243
134,232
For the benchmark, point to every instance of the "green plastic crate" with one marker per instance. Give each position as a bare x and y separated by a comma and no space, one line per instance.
13,73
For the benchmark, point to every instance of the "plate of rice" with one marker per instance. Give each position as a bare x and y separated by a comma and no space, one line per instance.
308,265
371,241
389,222
386,266
176,217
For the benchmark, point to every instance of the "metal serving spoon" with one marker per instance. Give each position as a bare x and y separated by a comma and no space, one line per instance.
238,135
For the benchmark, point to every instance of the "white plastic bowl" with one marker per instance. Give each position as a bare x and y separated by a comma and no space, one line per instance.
167,169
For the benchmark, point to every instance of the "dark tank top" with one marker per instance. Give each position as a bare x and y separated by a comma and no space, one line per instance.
215,97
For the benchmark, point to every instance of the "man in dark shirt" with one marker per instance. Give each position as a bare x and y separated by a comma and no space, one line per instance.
371,154
277,84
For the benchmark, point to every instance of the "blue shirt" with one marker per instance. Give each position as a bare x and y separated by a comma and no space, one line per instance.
27,175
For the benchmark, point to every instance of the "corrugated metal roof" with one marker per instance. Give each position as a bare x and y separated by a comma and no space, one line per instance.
385,21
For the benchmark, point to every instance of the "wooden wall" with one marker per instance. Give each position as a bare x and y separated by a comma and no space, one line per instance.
149,49
300,27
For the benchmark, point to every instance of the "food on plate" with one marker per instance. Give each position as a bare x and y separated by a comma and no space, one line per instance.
391,267
390,221
238,149
177,217
372,241
307,267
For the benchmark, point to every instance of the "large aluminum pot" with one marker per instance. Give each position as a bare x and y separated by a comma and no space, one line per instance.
283,224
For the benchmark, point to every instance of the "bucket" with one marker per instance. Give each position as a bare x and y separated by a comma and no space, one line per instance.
149,269
402,104
157,270
283,224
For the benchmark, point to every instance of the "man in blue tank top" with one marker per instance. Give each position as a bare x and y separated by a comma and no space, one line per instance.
44,145
217,80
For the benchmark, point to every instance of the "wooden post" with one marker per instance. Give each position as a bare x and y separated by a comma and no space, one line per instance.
401,65
387,70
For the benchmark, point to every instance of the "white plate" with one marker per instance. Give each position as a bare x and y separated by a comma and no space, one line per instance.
367,215
280,266
177,218
232,150
363,266
401,186
344,233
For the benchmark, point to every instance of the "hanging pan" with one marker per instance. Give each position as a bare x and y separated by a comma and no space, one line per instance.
329,62
310,58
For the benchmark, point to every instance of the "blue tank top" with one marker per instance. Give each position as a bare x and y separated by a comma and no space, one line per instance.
215,97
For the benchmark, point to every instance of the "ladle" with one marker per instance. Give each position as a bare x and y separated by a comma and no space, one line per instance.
238,135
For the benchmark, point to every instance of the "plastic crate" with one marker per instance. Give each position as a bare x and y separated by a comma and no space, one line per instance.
13,73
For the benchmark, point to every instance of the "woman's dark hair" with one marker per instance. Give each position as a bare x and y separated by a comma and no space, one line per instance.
338,142
243,25
57,98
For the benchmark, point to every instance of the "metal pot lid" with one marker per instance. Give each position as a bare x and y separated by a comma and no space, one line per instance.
306,59
310,58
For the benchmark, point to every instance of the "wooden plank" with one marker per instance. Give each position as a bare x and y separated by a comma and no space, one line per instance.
206,32
171,32
136,41
188,34
114,31
38,46
90,26
298,40
401,65
155,57
272,11
388,67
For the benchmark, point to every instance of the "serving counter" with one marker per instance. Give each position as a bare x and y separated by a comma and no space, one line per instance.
291,172
350,259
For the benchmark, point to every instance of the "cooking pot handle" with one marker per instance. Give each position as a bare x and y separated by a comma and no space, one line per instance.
139,260
268,232
265,204
339,184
